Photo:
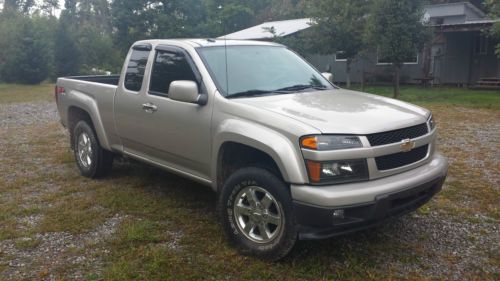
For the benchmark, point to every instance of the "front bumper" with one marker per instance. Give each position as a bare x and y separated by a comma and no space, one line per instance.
367,203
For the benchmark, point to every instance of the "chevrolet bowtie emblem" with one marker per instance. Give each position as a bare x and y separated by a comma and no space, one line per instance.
407,145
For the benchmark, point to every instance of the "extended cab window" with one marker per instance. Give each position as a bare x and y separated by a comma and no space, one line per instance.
135,70
169,66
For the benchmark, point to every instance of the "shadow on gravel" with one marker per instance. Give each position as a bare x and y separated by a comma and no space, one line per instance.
361,248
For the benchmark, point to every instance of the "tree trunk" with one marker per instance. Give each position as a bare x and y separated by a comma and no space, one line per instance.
397,73
348,73
363,80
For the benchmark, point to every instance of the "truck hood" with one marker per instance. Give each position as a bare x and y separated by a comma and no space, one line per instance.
342,111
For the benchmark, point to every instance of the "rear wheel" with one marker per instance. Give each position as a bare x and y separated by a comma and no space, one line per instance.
92,160
255,208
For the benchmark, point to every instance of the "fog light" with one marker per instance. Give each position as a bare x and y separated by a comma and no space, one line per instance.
338,214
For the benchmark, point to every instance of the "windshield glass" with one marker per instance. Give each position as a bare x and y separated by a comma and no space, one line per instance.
254,70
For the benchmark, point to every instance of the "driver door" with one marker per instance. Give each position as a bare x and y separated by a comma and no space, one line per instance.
173,134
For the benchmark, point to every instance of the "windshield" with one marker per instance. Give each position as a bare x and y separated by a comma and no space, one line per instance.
259,70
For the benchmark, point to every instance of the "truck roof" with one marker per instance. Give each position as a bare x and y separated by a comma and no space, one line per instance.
208,42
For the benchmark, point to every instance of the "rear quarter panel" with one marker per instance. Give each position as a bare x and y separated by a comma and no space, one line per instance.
94,98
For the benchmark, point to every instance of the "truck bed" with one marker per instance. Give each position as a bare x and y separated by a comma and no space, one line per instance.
95,95
103,79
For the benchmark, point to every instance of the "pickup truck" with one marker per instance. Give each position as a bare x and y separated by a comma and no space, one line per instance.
290,155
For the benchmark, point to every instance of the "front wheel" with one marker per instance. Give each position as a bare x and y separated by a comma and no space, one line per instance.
256,211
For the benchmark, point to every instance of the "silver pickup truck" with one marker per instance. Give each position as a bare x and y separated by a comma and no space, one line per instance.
290,155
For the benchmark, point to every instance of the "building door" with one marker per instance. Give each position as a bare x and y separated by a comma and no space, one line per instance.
484,61
437,60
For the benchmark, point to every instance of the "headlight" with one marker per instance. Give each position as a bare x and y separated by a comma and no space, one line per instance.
334,172
326,142
432,123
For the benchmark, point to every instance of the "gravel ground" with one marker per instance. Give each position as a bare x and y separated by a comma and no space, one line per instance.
51,251
448,245
25,114
467,246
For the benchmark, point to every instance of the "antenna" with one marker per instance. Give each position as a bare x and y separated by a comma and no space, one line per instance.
225,52
227,71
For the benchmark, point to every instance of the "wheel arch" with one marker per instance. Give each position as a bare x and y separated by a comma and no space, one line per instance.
76,113
253,142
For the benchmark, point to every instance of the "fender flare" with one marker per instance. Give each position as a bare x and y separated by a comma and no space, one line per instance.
89,105
284,153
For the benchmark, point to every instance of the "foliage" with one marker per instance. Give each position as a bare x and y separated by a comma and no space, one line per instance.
340,26
26,48
285,9
494,12
396,28
67,57
97,51
96,34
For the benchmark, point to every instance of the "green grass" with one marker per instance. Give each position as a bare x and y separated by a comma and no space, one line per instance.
29,243
440,95
13,93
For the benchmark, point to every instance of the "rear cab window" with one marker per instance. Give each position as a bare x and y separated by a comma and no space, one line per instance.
169,66
134,75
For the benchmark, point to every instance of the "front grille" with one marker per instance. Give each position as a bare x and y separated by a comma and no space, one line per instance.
401,159
397,135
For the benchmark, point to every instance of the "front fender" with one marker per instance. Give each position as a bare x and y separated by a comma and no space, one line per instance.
280,148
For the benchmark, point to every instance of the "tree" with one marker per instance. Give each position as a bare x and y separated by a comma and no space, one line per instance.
28,55
396,28
10,5
67,55
49,6
494,13
224,17
129,20
339,28
283,9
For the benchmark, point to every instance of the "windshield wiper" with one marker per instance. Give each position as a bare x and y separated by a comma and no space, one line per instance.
250,93
286,90
301,88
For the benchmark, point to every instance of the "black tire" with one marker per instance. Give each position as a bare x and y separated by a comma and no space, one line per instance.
237,183
101,160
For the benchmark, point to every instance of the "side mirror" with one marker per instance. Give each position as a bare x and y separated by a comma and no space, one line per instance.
328,76
185,91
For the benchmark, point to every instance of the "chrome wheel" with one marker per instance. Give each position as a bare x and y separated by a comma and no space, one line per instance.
84,150
258,215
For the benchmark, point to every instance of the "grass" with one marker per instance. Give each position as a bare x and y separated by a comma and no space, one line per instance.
28,243
441,96
12,93
168,228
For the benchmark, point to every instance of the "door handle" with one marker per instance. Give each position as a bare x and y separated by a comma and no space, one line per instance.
149,107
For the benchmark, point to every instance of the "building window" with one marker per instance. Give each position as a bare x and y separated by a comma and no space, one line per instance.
413,59
340,56
439,21
481,45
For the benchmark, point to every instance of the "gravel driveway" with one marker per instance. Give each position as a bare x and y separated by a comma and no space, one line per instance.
455,237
